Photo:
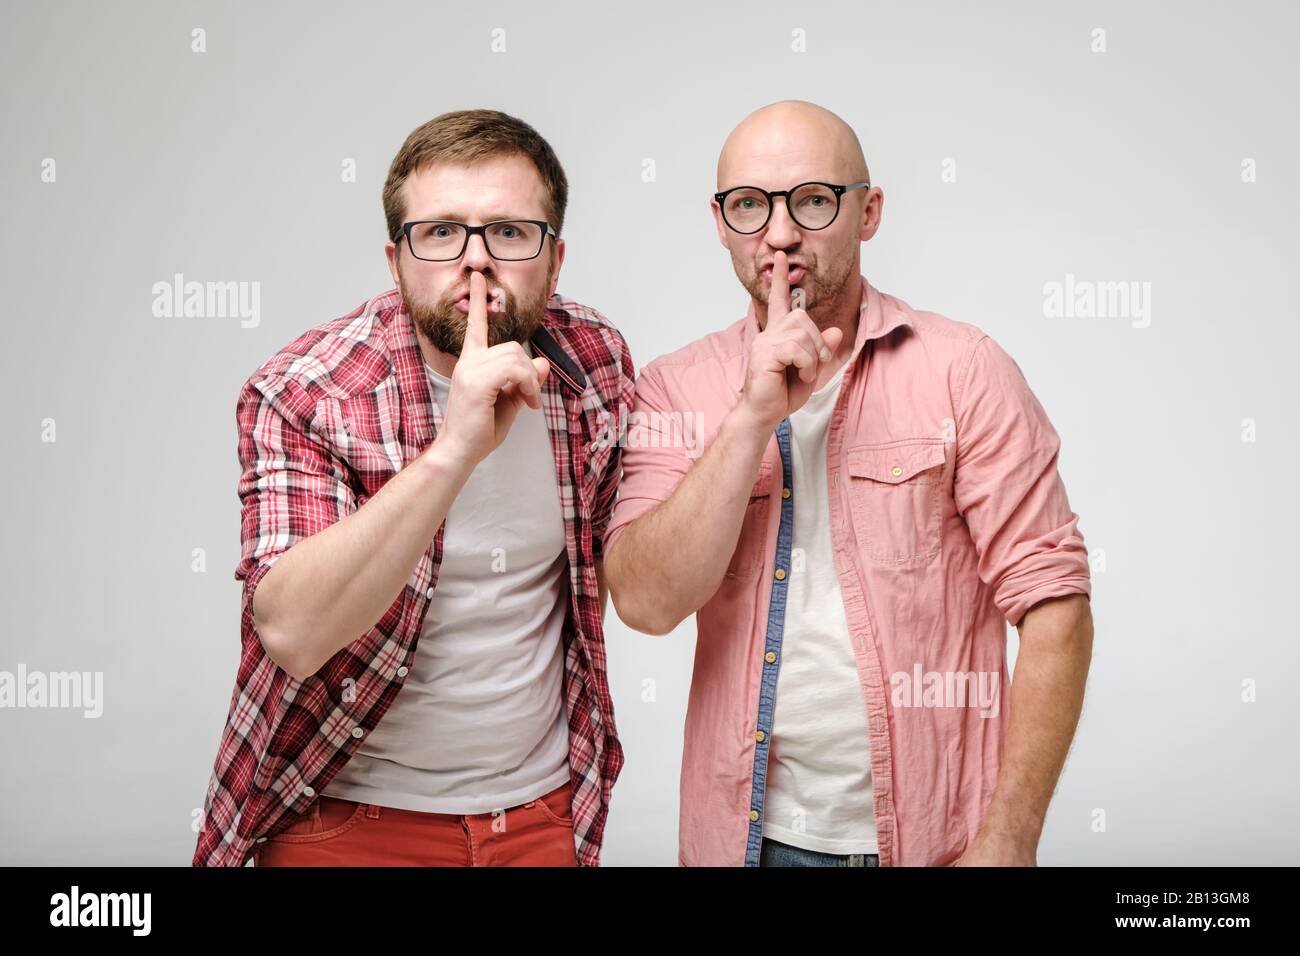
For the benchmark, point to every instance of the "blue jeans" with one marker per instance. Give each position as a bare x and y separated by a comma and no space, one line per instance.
782,854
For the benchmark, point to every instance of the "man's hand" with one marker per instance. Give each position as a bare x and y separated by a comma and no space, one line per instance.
786,356
488,387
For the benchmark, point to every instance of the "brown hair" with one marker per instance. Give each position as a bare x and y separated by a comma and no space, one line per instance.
466,137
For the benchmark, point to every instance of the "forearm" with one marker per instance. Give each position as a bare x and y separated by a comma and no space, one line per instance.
1046,699
671,560
329,589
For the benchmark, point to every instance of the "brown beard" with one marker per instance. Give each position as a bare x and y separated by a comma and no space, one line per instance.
820,288
444,325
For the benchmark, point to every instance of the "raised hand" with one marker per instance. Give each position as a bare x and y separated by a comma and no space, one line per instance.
488,386
786,357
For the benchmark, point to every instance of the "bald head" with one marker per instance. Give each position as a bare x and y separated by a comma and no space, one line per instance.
789,142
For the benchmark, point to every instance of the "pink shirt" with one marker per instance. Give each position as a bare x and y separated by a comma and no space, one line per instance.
948,519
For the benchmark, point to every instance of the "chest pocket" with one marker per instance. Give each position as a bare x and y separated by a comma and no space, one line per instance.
748,556
350,428
896,500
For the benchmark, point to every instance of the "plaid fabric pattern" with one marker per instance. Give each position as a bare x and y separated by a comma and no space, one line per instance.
323,424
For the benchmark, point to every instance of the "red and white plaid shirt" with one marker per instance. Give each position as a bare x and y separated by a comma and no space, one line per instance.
323,424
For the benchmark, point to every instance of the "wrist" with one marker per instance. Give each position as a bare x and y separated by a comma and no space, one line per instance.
743,425
443,462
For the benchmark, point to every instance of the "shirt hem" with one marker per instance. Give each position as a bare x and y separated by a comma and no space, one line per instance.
806,841
419,804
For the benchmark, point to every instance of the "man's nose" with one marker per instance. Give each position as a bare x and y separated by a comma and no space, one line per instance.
782,231
476,258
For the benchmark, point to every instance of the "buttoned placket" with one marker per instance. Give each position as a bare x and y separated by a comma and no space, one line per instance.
776,622
772,648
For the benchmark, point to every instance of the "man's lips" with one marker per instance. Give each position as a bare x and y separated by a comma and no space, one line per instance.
795,274
494,301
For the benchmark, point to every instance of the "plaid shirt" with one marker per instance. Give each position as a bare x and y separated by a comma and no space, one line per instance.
323,425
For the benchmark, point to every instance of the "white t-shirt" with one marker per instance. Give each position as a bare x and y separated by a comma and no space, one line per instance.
819,767
480,723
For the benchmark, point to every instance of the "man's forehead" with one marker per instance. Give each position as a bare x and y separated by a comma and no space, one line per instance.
781,171
493,182
494,175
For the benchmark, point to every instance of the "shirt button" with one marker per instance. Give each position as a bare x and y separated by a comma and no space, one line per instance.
429,594
760,736
357,732
753,816
402,671
308,792
260,840
770,657
895,471
780,574
785,492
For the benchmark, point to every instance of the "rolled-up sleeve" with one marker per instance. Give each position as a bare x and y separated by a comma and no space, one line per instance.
1007,488
290,486
655,457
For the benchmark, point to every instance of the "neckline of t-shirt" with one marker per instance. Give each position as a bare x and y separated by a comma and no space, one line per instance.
832,384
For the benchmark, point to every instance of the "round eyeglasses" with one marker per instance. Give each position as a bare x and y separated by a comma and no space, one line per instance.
508,240
746,209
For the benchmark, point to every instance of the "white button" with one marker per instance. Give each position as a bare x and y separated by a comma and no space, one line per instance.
308,792
429,594
260,840
401,671
357,732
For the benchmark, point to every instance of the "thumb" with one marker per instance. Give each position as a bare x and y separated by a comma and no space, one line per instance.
543,369
832,339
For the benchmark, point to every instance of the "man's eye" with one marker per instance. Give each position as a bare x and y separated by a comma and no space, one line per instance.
441,232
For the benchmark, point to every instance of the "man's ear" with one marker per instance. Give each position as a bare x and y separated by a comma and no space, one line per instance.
390,252
555,273
873,211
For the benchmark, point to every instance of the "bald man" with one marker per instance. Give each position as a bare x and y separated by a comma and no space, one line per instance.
877,498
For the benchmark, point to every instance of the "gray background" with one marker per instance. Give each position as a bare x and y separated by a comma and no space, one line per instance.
225,166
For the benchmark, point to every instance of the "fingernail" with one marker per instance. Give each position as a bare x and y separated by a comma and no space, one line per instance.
826,354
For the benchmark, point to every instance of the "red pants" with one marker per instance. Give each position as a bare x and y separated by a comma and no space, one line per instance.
337,832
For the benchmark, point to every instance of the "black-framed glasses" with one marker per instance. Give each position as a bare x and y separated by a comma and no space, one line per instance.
509,240
746,209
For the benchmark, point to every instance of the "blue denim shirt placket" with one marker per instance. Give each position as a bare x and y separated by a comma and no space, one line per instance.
772,648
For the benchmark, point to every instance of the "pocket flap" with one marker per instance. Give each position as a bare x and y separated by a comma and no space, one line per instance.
895,462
